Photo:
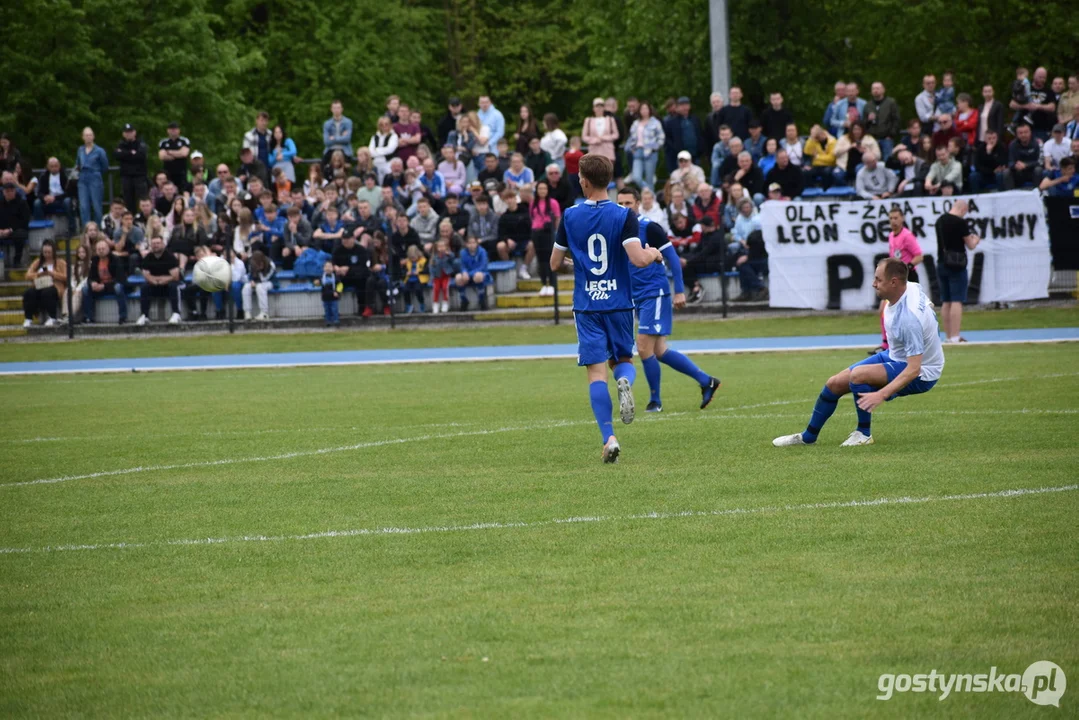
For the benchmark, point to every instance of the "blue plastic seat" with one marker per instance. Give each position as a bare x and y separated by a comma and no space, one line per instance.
501,266
812,192
840,191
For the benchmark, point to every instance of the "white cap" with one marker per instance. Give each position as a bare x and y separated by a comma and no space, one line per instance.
684,155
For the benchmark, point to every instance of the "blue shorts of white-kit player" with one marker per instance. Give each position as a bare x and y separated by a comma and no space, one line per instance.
602,336
893,368
655,316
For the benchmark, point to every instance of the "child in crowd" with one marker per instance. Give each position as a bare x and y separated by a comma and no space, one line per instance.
415,267
443,267
1021,95
945,95
281,181
331,294
260,272
473,273
573,161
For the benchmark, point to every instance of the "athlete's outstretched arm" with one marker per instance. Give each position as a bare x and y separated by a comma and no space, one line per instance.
673,262
869,401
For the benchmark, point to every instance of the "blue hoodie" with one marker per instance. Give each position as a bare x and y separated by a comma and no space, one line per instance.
473,264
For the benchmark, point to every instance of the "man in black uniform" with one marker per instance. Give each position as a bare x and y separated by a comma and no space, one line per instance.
174,151
350,261
161,270
131,154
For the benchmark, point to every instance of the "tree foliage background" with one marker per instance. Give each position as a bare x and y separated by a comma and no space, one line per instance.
211,64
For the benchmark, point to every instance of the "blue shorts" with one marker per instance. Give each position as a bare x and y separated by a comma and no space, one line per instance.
602,336
893,367
654,316
953,284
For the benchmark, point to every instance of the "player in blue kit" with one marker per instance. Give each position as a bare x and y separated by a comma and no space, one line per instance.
654,303
603,239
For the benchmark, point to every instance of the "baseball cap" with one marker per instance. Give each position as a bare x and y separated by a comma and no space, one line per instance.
1059,127
684,155
128,127
598,101
174,125
475,185
454,101
683,100
707,221
196,154
773,187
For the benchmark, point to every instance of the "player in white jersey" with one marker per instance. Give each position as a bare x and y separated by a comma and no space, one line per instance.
911,365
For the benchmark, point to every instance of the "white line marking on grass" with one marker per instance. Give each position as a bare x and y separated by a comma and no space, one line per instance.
721,414
232,433
586,519
294,454
345,448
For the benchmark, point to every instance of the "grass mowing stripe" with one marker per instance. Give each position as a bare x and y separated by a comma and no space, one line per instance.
547,425
362,532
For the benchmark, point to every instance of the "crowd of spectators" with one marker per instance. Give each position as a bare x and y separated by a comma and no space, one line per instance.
412,205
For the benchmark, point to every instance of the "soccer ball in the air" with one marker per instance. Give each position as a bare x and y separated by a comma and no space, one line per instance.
212,273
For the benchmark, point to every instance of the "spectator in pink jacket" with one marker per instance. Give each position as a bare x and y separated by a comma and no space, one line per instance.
453,170
902,245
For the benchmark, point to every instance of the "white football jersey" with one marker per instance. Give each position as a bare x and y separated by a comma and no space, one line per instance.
911,326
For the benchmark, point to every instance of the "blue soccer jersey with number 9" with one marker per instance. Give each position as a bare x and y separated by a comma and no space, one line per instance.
594,234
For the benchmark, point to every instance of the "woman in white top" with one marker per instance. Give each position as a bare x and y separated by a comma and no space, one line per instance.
651,209
382,146
599,131
793,145
314,182
554,141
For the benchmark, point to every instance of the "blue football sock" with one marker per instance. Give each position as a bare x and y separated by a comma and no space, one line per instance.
625,370
602,408
677,361
864,418
652,374
822,410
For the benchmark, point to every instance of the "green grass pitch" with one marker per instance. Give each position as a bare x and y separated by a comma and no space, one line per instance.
443,541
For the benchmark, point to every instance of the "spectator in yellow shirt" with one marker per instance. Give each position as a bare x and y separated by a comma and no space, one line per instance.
821,148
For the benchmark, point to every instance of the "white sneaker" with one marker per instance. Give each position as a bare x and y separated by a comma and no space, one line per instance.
49,322
625,400
434,308
262,316
550,291
857,438
611,451
522,272
174,319
27,323
142,320
445,306
789,440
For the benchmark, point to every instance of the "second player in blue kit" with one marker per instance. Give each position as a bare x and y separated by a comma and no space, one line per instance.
603,240
655,305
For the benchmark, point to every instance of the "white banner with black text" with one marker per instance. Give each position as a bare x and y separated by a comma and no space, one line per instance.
823,254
